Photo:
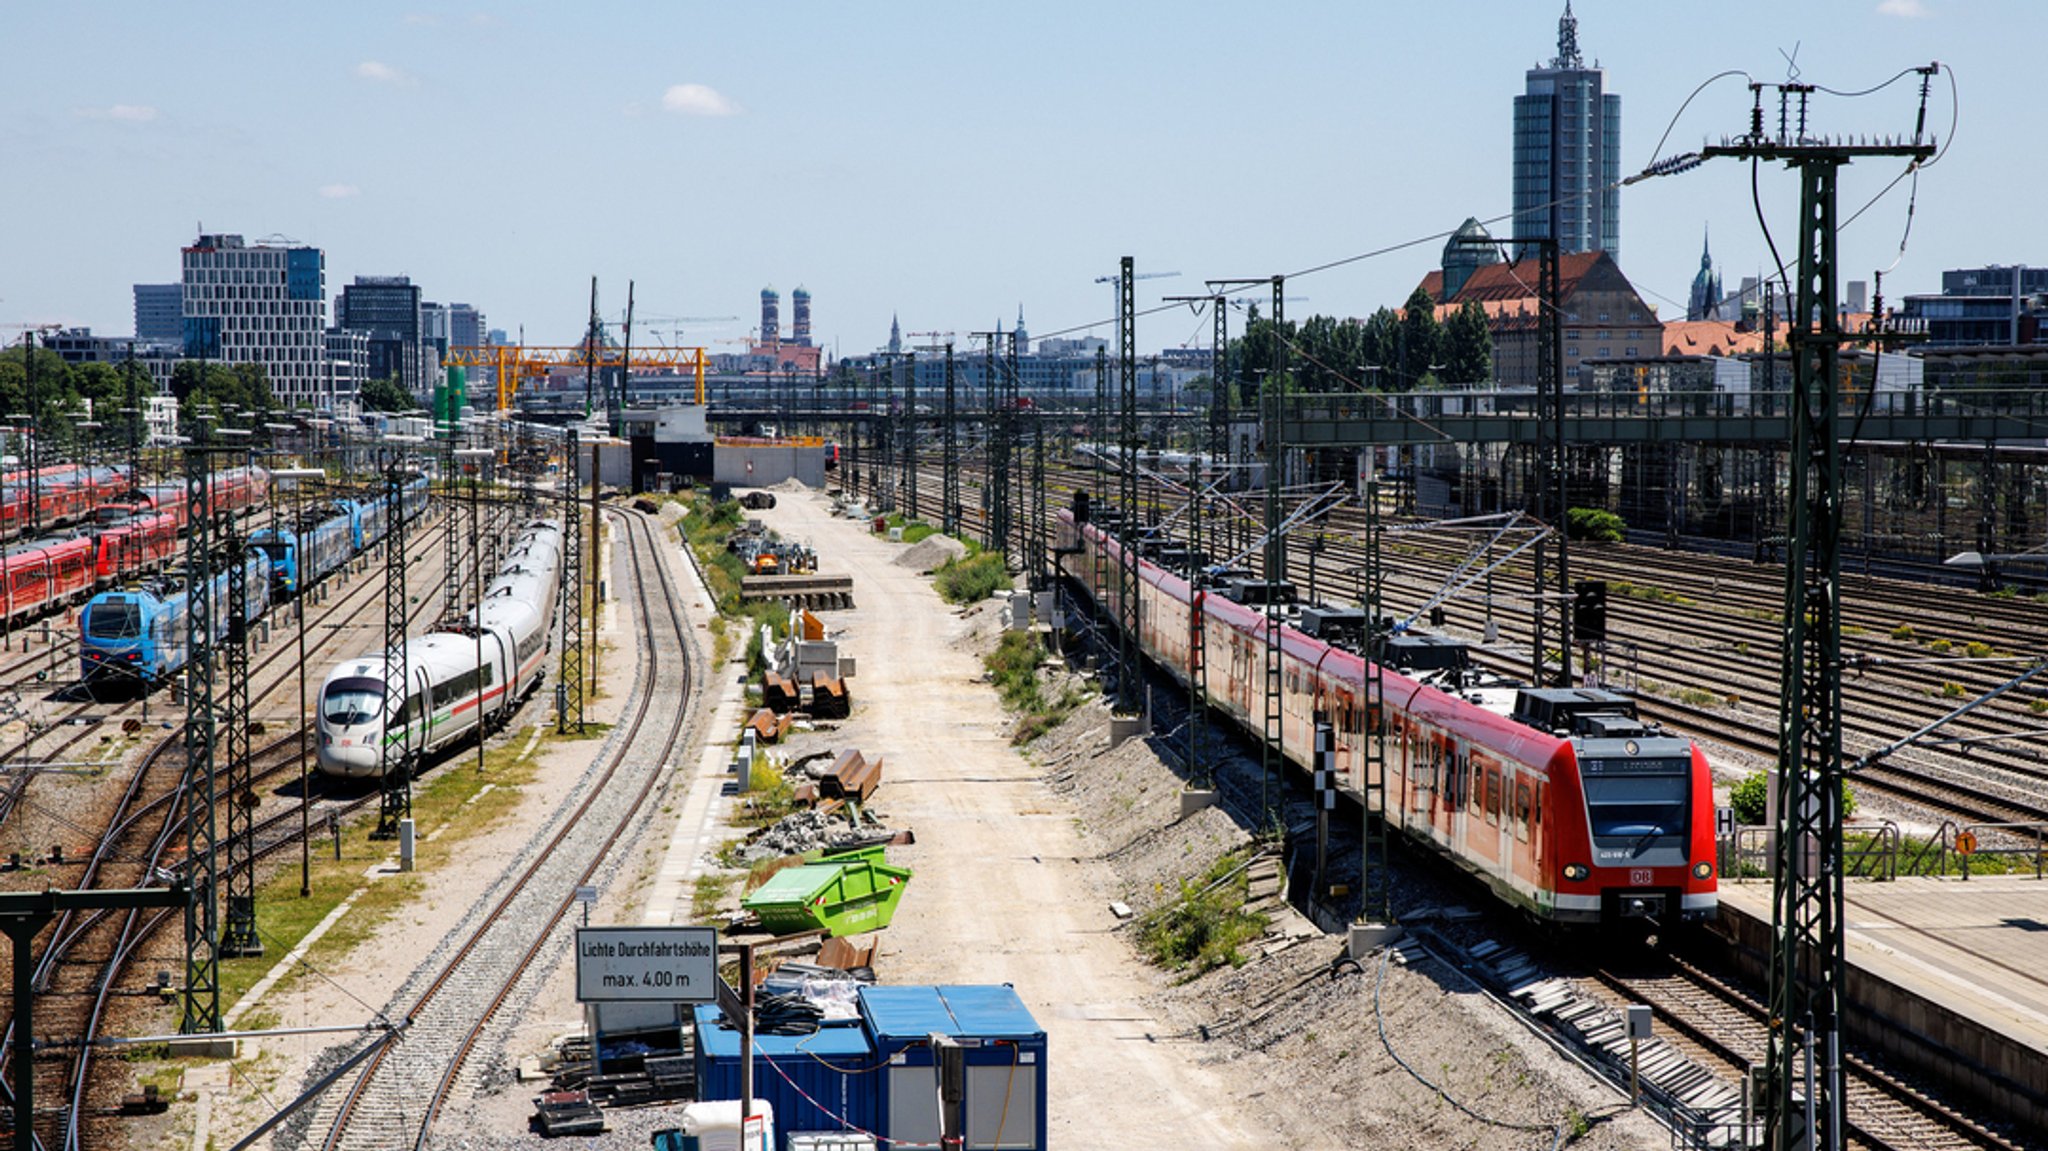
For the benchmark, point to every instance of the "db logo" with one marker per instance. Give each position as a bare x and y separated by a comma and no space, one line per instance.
1639,876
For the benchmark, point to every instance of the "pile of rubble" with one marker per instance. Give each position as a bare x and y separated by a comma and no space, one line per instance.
803,831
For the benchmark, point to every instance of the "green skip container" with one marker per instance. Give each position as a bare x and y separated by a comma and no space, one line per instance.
842,894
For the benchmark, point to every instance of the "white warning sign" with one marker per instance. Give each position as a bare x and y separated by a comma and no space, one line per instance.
668,964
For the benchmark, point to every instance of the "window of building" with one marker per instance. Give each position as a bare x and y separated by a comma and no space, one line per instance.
1605,352
1571,350
1603,317
1629,351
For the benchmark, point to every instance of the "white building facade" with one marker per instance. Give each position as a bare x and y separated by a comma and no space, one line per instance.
261,304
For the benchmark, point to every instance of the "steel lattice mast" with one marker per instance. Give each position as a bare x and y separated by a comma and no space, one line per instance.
569,683
1803,1104
202,923
394,754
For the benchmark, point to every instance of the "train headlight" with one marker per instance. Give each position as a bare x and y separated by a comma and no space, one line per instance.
1577,871
1703,870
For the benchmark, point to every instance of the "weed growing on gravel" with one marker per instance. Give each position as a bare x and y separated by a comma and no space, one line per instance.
971,579
710,892
1206,927
1013,667
769,796
1903,633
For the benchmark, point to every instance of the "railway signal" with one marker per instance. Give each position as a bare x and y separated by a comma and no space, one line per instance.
1589,611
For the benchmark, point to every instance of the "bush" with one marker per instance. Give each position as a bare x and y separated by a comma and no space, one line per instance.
1749,798
971,578
1594,524
1903,633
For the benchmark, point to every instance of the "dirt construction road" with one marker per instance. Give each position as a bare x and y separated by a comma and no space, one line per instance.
999,895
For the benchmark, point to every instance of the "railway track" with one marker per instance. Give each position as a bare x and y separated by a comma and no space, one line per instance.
1707,627
450,1006
1723,1026
83,966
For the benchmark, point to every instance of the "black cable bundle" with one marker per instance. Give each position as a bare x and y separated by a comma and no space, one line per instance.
786,1013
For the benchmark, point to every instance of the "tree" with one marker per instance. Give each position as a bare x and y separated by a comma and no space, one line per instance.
1379,344
386,395
1468,346
1421,338
202,386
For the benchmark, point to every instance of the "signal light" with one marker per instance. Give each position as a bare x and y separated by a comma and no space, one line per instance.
1589,611
1576,871
1703,870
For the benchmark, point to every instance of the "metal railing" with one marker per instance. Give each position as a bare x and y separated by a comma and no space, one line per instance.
1883,851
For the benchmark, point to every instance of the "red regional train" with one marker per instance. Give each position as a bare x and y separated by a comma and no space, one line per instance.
65,493
1560,800
135,529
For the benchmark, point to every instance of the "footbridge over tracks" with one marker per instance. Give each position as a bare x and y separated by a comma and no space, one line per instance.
2017,418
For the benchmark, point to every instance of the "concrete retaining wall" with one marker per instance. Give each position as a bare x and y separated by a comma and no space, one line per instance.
2006,1077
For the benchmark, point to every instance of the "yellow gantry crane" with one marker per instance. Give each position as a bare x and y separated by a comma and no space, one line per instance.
515,362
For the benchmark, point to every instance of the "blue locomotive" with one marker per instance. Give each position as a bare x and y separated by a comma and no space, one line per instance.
328,534
140,635
302,556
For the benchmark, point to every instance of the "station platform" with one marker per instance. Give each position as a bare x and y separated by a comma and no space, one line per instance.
1946,976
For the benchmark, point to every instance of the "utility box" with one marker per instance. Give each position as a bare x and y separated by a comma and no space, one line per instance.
1005,1056
827,1065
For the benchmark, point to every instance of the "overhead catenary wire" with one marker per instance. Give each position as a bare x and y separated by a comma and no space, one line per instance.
1657,166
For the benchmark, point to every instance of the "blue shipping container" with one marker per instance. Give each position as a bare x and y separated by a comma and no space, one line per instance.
835,1066
1005,1057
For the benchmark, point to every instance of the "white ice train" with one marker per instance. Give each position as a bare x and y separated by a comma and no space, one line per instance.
449,691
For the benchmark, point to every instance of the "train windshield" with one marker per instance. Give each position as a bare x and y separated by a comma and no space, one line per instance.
114,620
352,701
1637,809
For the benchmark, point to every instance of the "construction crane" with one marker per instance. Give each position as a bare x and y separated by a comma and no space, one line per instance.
674,324
1117,296
512,362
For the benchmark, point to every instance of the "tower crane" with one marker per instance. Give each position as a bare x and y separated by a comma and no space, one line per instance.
1118,296
674,324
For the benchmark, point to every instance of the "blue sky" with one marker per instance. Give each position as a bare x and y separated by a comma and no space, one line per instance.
944,161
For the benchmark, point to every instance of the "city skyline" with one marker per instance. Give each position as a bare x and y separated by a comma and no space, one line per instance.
896,164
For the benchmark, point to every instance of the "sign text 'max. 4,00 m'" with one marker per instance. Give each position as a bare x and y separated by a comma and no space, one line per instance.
674,964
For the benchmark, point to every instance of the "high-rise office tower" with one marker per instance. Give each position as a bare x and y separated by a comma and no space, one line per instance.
259,304
160,313
1568,152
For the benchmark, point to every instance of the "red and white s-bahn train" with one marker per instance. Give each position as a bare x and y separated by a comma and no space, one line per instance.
1560,800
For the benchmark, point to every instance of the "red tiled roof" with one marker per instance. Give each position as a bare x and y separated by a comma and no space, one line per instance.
1709,338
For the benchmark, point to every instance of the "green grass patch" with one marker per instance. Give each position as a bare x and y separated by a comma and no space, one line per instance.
1013,667
913,530
971,578
1645,592
1208,926
769,796
1698,697
451,792
1977,650
1953,690
710,892
1903,633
